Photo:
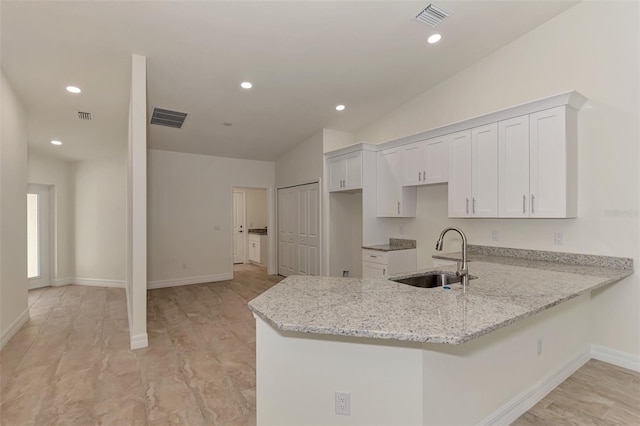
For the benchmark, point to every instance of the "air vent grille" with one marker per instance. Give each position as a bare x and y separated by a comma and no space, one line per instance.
84,115
432,15
165,117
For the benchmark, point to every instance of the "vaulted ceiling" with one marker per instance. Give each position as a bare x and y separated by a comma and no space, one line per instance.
303,58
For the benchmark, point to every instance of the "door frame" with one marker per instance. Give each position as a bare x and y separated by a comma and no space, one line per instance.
271,265
321,203
49,246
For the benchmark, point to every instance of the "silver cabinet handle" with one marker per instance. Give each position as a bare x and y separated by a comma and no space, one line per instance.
384,271
424,176
419,176
473,204
398,207
524,200
373,256
533,199
467,206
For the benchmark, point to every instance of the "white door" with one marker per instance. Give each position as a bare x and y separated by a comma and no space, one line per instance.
299,230
308,231
460,174
238,227
484,171
436,160
38,236
548,162
414,166
513,178
389,180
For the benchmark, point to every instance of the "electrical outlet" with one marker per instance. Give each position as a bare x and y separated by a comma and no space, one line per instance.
184,266
539,347
495,236
557,238
343,403
345,273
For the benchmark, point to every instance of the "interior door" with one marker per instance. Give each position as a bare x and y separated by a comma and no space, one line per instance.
38,236
238,227
308,231
299,230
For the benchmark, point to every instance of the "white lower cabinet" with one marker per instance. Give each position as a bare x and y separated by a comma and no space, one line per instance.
377,263
258,248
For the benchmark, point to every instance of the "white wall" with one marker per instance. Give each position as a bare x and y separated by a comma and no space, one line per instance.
189,214
565,53
13,212
336,139
61,174
302,164
100,220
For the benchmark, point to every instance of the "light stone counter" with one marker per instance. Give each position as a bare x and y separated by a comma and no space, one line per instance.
505,291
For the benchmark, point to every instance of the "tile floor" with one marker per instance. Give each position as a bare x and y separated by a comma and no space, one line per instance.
71,363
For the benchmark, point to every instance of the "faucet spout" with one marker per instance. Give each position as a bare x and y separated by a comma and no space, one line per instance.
463,270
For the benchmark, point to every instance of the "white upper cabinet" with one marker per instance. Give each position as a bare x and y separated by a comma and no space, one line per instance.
460,174
513,158
553,163
393,200
484,171
345,172
538,165
473,172
426,162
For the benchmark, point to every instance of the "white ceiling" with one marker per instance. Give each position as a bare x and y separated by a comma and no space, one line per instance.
303,57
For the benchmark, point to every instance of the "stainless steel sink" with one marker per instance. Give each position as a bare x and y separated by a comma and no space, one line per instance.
430,279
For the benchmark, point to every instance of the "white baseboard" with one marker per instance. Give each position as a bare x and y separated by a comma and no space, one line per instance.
139,341
99,282
520,404
14,327
189,280
61,281
616,357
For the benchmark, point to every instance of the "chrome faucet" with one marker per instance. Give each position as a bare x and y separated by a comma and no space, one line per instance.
463,270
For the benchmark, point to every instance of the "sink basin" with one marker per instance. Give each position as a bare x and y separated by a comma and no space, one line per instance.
431,279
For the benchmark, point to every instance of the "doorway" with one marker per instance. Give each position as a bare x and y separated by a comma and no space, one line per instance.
238,226
250,226
38,235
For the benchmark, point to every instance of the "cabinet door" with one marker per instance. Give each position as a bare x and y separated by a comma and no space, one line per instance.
371,270
353,174
513,175
414,165
460,174
484,171
337,173
389,185
548,162
436,160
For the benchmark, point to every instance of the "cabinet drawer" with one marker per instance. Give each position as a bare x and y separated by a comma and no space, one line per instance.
375,256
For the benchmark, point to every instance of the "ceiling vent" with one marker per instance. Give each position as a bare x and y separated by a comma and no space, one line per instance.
432,15
84,115
165,117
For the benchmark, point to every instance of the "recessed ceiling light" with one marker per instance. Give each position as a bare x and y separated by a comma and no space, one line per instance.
340,108
246,85
56,143
434,38
73,89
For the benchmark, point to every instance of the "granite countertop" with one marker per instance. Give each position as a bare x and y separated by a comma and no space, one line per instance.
394,244
503,293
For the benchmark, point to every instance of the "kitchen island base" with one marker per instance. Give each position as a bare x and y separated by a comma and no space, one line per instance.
489,380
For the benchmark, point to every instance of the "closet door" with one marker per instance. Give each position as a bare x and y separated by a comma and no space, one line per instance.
299,230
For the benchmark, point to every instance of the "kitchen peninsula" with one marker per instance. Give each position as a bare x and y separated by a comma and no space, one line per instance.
423,356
